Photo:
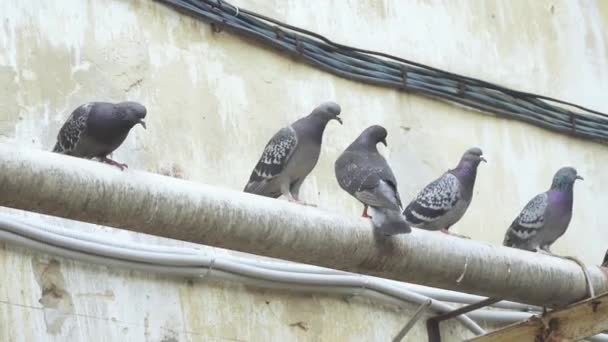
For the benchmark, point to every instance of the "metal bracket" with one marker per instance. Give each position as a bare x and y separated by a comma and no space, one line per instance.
421,310
462,88
278,32
209,269
404,71
572,121
299,46
432,324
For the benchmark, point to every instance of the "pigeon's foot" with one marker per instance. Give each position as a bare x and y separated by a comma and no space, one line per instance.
365,214
115,163
293,200
445,231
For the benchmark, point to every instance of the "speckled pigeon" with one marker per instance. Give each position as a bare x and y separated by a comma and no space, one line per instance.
96,129
291,154
364,173
444,201
546,217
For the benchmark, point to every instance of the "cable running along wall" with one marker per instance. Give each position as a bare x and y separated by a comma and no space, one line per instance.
390,71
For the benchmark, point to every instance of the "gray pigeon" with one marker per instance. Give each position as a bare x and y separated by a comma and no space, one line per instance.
291,155
364,173
546,217
444,201
96,129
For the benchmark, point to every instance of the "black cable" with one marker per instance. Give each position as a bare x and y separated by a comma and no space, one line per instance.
390,71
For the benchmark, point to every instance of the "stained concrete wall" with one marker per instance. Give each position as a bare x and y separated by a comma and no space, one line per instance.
214,100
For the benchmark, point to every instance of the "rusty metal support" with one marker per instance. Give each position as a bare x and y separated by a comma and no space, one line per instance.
413,320
432,324
573,323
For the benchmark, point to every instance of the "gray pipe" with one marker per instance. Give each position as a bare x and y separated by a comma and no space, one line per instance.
73,188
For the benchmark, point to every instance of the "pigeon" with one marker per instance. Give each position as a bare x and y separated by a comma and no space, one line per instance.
444,201
96,129
291,154
546,217
364,173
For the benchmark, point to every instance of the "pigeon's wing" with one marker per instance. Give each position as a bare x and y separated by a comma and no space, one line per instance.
275,157
382,194
435,200
73,129
378,187
386,176
529,221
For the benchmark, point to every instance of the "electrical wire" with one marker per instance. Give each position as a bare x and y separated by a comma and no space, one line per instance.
390,71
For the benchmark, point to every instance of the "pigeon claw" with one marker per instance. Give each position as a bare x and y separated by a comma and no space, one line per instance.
445,231
121,166
365,214
293,200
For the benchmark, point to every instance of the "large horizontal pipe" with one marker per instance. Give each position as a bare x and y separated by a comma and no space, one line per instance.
89,191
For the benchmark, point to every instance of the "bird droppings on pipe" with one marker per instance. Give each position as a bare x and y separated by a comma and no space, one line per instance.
171,170
464,270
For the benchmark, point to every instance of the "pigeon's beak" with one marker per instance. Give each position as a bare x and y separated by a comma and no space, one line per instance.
142,123
483,159
337,118
383,141
579,177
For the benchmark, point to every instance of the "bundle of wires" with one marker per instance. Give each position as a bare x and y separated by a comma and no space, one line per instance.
390,71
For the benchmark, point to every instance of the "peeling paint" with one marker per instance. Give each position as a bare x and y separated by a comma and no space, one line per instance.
55,298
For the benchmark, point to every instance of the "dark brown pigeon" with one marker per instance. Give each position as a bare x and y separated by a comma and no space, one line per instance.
96,129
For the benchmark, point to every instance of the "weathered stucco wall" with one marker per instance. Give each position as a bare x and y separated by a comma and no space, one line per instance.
215,99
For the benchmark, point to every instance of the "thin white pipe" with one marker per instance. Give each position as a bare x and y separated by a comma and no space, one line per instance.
104,240
465,298
249,274
279,275
438,294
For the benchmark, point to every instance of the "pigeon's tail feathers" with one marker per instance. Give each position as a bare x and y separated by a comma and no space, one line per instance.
389,222
518,240
512,239
254,187
508,241
263,188
58,148
383,195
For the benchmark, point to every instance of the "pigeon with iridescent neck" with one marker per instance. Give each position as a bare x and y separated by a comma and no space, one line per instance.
291,154
364,173
546,216
444,201
96,129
